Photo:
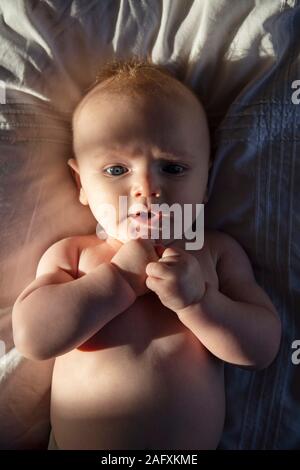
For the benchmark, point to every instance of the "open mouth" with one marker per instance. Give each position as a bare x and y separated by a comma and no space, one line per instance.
149,218
146,215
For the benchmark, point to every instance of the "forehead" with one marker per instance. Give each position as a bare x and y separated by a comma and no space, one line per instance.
163,119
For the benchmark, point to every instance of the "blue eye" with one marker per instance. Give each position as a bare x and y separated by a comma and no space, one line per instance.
174,168
115,170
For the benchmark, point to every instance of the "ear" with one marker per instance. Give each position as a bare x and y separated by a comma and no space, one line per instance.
75,171
76,175
83,198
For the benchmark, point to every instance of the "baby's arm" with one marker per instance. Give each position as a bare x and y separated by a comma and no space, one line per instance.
237,323
56,312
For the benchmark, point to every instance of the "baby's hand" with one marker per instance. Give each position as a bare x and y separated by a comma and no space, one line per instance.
132,259
176,278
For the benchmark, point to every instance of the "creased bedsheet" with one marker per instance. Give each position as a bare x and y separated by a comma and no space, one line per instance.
241,57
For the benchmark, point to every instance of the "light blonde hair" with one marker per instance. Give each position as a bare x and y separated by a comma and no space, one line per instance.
136,76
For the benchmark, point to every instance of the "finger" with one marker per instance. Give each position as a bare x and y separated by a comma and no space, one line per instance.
159,270
169,260
172,252
152,283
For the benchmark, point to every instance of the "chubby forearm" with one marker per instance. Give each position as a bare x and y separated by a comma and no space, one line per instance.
54,319
237,332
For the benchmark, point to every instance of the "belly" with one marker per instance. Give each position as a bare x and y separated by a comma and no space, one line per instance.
143,381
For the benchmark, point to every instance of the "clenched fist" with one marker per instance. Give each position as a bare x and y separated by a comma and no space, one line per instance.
176,278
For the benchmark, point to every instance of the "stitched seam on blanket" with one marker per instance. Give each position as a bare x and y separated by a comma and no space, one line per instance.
32,139
7,125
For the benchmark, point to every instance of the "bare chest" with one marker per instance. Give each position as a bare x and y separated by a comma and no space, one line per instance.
147,321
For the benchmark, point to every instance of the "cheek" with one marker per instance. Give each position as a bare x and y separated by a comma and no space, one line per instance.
97,196
197,187
190,193
195,192
105,205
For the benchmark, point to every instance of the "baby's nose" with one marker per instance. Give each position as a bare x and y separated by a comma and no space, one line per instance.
146,188
143,193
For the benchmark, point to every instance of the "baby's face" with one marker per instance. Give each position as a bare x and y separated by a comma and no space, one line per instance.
152,150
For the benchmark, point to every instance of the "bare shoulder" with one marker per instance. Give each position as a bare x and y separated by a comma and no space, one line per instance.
234,270
64,255
220,242
232,262
60,255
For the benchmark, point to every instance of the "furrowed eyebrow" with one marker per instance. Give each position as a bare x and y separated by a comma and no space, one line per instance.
179,156
114,153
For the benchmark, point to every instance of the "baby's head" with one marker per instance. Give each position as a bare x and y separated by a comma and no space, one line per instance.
139,133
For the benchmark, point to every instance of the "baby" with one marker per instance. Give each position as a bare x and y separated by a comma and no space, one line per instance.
140,326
